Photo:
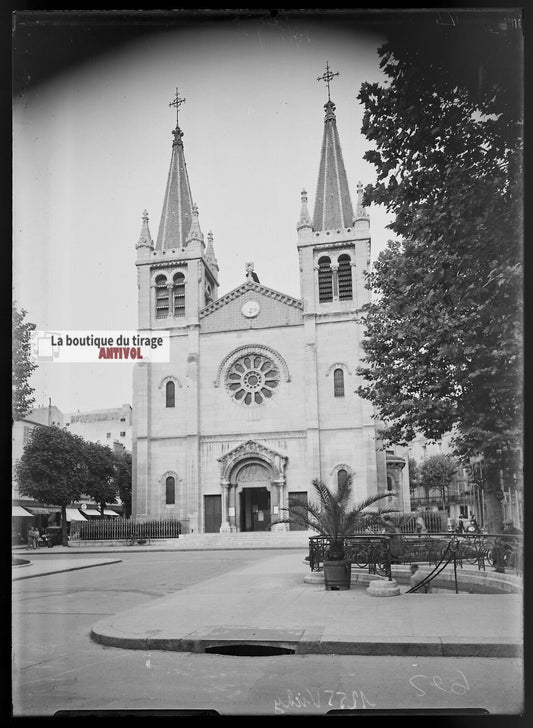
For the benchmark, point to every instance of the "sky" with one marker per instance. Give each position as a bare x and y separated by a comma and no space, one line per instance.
91,151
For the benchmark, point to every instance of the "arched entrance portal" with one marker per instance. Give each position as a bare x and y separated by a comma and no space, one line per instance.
253,486
252,481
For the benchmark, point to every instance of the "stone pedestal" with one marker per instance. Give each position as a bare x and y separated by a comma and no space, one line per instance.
383,588
314,577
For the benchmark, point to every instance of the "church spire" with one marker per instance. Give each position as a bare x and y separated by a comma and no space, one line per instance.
210,252
177,213
333,206
305,218
360,211
195,233
145,238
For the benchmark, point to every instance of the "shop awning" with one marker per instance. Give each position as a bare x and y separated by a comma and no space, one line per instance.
74,515
20,511
94,512
41,510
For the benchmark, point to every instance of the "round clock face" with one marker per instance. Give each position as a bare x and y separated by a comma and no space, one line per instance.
250,309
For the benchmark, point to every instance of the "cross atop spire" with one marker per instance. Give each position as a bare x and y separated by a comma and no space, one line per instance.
177,101
327,77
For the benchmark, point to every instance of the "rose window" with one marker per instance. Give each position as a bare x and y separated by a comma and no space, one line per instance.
252,379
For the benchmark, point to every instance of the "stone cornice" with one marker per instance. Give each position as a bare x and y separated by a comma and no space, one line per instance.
250,286
281,435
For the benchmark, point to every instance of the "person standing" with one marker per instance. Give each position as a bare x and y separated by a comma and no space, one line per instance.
396,540
421,525
415,579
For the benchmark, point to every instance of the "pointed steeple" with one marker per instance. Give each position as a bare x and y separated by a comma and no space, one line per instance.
305,218
145,239
360,211
210,251
195,234
333,206
177,213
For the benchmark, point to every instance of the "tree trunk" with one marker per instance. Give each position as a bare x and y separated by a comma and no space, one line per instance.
493,506
64,534
102,509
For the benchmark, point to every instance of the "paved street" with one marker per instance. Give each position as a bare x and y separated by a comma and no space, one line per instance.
56,666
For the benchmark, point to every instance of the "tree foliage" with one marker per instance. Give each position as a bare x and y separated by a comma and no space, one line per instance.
22,365
52,469
123,481
101,466
437,472
414,474
443,342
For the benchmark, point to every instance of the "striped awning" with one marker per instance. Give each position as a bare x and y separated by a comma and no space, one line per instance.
95,512
20,511
74,515
91,512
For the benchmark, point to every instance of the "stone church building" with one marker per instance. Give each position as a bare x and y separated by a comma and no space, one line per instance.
259,395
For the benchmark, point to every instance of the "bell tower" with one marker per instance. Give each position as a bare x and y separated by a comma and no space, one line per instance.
333,246
178,274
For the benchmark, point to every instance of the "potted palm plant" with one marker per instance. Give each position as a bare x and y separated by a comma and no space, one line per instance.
334,517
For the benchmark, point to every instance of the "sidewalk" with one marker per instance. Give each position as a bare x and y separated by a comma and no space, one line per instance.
270,604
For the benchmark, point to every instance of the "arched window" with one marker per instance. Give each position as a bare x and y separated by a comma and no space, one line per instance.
208,295
390,484
179,294
170,491
170,392
345,278
342,478
325,280
161,297
338,383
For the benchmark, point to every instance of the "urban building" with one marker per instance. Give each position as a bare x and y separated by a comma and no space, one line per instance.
111,427
259,396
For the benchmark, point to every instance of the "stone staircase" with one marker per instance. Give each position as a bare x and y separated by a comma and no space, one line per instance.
246,539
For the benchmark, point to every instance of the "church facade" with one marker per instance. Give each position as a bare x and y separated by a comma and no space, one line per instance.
259,395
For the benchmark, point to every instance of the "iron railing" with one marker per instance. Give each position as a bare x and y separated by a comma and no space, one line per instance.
378,551
120,529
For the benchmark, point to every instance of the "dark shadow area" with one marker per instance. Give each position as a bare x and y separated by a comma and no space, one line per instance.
248,650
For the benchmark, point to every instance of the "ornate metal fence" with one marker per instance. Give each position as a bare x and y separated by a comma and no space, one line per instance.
375,553
120,529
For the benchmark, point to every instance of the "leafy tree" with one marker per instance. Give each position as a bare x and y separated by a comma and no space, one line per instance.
100,462
22,365
123,480
332,515
414,474
443,335
437,473
52,469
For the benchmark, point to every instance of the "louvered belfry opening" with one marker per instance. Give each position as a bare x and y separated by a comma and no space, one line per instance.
325,280
161,297
179,294
345,278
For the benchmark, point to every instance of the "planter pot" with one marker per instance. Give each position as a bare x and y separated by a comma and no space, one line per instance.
337,575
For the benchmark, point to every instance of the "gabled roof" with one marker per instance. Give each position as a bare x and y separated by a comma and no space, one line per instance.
250,285
333,206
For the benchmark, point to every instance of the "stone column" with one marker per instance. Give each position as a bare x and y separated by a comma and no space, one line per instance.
281,499
233,506
225,526
170,290
335,280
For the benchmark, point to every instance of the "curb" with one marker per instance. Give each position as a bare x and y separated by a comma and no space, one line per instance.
431,647
60,571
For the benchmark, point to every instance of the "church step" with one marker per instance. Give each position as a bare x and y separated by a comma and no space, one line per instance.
247,539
